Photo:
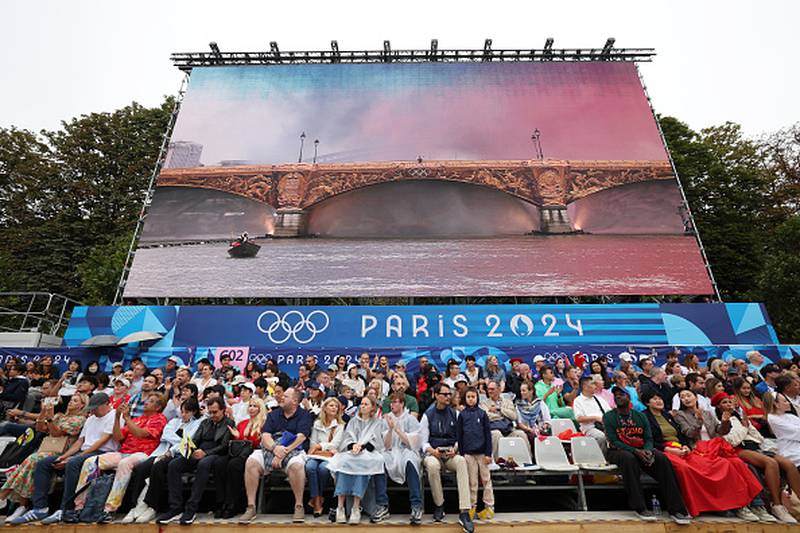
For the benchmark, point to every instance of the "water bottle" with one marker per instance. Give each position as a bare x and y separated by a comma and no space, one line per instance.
656,506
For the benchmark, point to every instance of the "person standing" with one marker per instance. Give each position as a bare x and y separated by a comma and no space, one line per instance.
475,444
439,442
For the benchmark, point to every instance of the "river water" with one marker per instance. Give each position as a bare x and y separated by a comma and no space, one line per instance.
497,266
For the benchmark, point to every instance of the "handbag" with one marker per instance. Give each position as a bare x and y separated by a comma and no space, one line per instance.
54,445
504,426
240,448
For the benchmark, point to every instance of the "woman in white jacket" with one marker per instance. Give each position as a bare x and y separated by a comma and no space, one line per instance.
784,424
326,436
360,457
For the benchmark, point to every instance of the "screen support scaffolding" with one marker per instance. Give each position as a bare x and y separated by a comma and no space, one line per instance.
188,60
148,199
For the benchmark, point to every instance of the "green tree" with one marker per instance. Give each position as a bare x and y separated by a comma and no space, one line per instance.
780,280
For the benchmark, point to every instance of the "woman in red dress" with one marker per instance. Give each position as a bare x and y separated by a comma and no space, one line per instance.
712,478
751,405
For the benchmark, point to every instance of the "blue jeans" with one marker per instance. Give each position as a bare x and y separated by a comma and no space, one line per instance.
381,498
414,486
12,429
318,475
43,474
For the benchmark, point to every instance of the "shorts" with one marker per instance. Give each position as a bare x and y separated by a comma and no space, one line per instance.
296,458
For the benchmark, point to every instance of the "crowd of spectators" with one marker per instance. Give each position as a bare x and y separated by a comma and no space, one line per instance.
723,436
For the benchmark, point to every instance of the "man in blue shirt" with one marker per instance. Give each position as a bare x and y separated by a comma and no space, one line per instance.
284,443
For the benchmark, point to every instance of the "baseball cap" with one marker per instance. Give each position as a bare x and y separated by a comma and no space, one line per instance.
97,399
124,381
238,380
617,389
538,358
175,359
117,363
249,386
626,356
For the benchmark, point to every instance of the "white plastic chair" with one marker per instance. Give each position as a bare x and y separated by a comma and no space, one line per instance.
586,454
550,455
559,425
515,448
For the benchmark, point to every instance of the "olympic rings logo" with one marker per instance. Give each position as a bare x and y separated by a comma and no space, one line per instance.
292,325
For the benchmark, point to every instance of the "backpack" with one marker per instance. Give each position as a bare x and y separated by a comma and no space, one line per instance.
20,449
96,499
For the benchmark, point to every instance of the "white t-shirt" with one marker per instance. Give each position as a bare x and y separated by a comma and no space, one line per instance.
95,427
702,402
583,406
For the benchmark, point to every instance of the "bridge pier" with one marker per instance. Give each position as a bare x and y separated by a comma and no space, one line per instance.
555,219
290,222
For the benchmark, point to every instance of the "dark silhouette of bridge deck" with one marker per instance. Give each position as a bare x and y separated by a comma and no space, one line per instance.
295,187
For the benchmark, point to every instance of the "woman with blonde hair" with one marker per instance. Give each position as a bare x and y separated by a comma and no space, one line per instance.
232,470
326,435
784,424
19,484
495,372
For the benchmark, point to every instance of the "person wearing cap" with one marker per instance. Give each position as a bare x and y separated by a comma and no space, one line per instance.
94,439
748,442
313,401
137,438
539,362
170,368
770,373
630,447
116,369
240,409
120,394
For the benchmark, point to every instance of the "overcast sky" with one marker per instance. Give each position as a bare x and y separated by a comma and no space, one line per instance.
717,61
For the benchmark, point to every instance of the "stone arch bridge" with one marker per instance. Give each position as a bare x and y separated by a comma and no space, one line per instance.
294,188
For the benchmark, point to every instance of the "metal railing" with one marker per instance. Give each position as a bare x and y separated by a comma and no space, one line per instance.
35,312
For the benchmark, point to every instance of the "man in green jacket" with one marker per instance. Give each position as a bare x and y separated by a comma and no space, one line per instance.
630,447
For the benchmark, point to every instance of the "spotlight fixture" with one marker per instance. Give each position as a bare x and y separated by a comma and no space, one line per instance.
434,49
273,47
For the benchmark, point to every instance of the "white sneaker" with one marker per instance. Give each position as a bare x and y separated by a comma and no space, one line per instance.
764,515
355,515
54,518
746,514
130,518
782,514
341,515
19,511
148,515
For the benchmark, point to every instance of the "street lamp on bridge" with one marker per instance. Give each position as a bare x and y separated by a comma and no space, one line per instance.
316,145
302,141
537,144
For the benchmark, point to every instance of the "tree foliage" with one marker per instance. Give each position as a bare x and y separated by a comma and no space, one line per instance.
70,195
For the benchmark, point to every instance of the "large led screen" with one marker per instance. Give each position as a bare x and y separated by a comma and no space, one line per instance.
417,179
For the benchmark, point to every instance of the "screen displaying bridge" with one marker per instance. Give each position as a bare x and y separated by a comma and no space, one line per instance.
418,179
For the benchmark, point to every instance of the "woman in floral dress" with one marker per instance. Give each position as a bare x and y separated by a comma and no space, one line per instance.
19,485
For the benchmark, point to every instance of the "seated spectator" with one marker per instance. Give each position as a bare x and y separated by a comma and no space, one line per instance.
19,483
211,445
439,443
475,444
401,442
691,363
205,378
789,385
697,384
590,410
571,387
598,368
283,446
230,472
69,379
473,372
630,447
170,369
175,432
711,480
312,403
750,404
694,422
601,391
532,412
770,373
224,368
656,381
17,420
713,387
47,370
139,400
14,386
622,380
136,377
514,378
785,425
241,409
400,384
137,438
360,458
748,441
550,393
453,373
560,369
494,372
94,439
502,417
120,395
354,381
326,436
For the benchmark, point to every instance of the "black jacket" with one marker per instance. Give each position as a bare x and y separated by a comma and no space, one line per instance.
15,390
213,438
655,429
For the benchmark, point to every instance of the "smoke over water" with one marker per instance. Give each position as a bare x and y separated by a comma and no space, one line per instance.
423,209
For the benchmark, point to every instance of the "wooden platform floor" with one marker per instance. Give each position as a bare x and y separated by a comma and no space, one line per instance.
550,522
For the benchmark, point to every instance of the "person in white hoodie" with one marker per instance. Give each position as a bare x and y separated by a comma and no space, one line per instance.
784,424
326,436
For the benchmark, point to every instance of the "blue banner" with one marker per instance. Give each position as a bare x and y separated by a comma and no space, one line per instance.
383,327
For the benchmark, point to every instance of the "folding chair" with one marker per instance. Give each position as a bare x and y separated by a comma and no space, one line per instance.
587,455
550,455
515,448
559,425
